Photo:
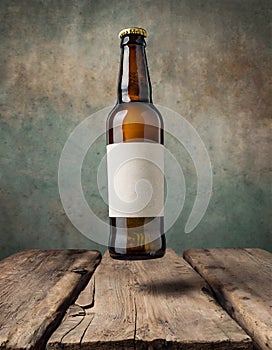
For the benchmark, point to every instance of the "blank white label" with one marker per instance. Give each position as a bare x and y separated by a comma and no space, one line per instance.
135,179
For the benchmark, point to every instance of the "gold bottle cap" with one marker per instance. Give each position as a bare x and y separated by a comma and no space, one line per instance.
133,30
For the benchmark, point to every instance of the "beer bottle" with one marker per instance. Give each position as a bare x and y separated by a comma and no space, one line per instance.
135,158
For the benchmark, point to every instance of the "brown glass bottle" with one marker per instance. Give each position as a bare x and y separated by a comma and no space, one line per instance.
135,122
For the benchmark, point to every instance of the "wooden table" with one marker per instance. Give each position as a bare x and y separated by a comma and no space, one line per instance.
210,299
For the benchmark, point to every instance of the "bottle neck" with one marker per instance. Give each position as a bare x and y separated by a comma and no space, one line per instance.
134,81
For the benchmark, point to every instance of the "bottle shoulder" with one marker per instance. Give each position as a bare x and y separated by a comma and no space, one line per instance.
134,112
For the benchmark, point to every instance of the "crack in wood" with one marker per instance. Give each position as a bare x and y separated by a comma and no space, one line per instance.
135,323
81,271
70,330
76,325
93,294
84,332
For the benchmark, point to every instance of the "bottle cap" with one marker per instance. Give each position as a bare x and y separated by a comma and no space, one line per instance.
133,30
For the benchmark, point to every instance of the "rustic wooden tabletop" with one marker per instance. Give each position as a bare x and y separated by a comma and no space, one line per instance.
208,299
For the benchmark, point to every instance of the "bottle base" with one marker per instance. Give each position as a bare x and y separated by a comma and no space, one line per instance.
143,256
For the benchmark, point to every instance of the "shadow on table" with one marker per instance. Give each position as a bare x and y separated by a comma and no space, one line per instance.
175,287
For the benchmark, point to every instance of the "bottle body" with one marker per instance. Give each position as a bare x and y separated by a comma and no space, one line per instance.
135,161
136,237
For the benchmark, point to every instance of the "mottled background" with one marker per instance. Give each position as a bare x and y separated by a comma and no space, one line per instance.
209,60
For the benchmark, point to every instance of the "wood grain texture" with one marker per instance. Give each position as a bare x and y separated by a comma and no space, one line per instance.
242,282
36,288
155,304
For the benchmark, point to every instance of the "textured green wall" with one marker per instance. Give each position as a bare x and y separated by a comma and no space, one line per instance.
209,60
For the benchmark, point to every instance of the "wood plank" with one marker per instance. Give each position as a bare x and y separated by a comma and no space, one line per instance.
175,303
155,304
36,288
242,282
